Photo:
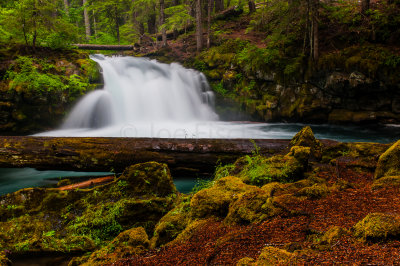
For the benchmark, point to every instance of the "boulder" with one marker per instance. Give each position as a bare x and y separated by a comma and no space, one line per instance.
215,201
305,138
389,162
378,226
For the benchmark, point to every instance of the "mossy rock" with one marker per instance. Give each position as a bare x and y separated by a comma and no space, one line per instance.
172,224
386,181
305,138
316,191
378,226
128,243
191,229
149,178
279,168
246,262
389,162
4,261
252,206
333,234
274,256
215,201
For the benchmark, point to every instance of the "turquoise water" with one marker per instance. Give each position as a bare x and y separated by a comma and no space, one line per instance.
12,179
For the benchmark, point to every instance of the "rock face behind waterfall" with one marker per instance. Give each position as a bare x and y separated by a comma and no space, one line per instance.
347,87
37,90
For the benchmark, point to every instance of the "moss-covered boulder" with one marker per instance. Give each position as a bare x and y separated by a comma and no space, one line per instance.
389,162
259,170
386,181
50,220
252,206
246,262
274,256
128,243
378,226
148,179
173,223
215,201
333,234
315,191
305,138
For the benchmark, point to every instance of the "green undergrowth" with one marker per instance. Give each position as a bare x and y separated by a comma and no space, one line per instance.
40,76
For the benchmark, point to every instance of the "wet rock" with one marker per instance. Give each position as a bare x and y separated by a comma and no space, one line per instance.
386,181
389,162
173,223
378,226
215,201
274,256
128,243
305,138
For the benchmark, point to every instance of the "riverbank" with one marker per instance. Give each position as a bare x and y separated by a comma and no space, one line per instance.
313,202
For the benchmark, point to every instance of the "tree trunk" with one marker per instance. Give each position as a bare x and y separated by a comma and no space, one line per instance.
252,6
87,21
209,23
364,6
185,156
151,24
199,30
117,24
219,5
94,25
162,21
66,7
315,31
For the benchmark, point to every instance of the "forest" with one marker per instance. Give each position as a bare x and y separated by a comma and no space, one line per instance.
229,132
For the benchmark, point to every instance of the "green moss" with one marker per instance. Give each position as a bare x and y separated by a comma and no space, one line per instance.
333,234
389,162
378,226
128,243
316,191
191,229
252,206
305,138
386,181
173,223
246,262
4,259
149,178
273,256
215,201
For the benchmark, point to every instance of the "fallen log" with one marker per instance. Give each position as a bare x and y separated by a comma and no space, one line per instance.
104,47
183,156
88,183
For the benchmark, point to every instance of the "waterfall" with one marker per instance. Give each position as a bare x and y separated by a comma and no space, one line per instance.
138,89
145,98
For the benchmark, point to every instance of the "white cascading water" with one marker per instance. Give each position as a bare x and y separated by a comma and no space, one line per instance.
144,98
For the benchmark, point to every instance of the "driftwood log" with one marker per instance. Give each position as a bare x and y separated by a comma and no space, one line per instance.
183,156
